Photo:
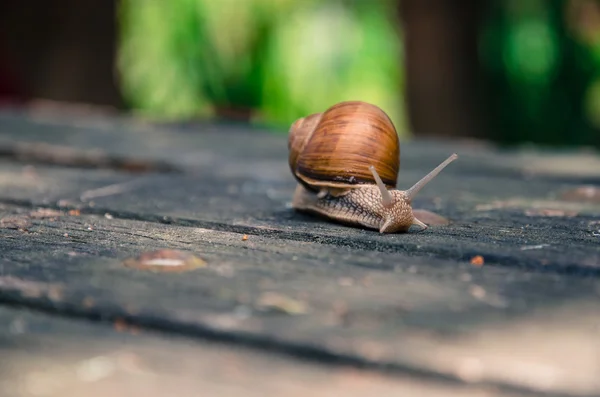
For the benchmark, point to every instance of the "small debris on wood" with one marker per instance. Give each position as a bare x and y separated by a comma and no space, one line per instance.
588,193
65,203
470,369
477,292
466,277
31,289
43,213
494,205
95,369
550,212
277,302
110,190
121,325
594,225
16,222
477,260
533,247
345,281
245,237
165,260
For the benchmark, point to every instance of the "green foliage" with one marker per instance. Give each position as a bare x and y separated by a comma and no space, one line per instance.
325,53
540,74
284,59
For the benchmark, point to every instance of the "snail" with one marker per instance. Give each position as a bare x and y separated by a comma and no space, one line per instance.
346,161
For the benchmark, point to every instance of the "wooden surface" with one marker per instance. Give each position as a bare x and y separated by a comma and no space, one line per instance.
287,304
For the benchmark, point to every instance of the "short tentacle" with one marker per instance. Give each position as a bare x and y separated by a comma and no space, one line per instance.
419,223
386,197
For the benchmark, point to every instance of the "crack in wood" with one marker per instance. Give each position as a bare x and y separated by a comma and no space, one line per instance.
410,249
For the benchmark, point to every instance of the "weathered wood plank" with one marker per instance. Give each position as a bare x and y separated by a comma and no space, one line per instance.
206,145
415,314
49,356
412,303
502,234
245,183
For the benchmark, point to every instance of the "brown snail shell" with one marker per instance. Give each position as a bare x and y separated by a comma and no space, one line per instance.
346,161
334,149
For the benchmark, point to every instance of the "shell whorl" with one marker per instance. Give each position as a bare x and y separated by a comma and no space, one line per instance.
335,148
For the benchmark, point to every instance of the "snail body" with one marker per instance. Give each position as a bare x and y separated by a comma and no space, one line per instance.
346,161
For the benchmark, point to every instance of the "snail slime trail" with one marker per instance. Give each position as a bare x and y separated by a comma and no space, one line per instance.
346,162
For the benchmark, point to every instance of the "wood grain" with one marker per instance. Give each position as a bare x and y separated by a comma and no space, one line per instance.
414,308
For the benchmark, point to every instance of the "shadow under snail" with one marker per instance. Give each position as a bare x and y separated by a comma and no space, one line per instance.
346,161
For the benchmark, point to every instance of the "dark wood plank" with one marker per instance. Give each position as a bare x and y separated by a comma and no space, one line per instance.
514,231
411,314
206,146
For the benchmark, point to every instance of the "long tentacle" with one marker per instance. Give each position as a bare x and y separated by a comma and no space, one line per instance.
412,192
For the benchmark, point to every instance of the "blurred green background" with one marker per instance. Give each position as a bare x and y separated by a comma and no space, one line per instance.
541,67
272,60
511,71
